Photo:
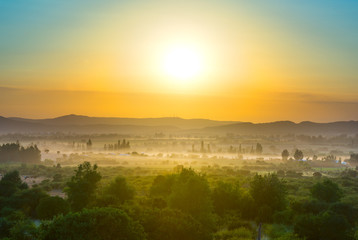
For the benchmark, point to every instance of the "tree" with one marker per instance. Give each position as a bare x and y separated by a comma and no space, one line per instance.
354,158
117,191
93,224
268,191
81,188
258,148
162,185
334,226
298,155
326,225
285,154
27,200
226,197
171,224
24,230
52,206
240,233
307,226
13,152
327,191
10,183
89,144
191,194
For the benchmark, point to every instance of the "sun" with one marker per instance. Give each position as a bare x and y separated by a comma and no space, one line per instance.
183,63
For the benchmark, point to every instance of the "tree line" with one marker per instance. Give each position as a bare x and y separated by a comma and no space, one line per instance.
117,146
14,152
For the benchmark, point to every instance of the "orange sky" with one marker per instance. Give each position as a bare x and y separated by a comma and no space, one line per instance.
257,62
254,107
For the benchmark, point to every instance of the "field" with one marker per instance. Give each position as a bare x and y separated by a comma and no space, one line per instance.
137,177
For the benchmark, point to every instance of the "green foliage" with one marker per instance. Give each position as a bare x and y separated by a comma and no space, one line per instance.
241,233
298,155
5,226
346,210
171,224
310,206
334,226
181,205
327,225
93,224
162,185
269,194
27,200
24,230
226,197
191,194
13,152
188,192
10,183
288,236
327,191
308,226
52,206
247,206
280,232
118,191
81,188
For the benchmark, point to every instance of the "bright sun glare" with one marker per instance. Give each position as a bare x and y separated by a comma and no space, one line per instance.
183,63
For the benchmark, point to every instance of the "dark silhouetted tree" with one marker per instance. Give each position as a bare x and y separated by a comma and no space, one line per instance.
327,191
172,224
81,188
298,155
191,194
269,193
117,192
226,198
11,183
285,155
52,206
89,144
259,148
93,224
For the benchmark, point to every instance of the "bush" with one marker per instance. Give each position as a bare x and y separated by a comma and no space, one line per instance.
170,224
52,206
236,234
24,230
226,197
117,191
327,191
93,224
269,193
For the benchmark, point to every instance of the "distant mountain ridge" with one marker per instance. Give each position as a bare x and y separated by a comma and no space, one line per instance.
84,124
165,121
287,127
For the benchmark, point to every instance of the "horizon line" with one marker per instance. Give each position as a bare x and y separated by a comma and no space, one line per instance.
174,117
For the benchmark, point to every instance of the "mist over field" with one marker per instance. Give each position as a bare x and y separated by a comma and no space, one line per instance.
178,178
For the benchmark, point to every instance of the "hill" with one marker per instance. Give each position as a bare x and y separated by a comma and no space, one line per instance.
286,127
85,124
166,121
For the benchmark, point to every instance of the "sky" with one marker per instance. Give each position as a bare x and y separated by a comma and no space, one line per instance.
254,60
